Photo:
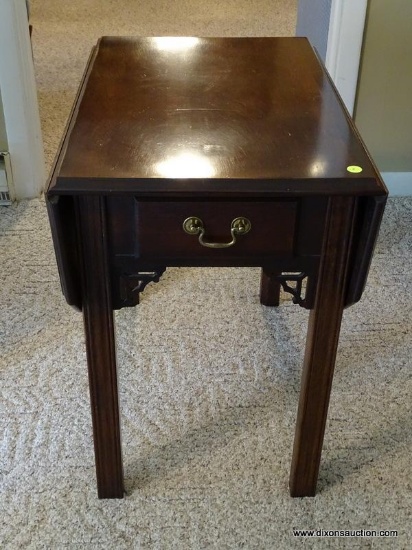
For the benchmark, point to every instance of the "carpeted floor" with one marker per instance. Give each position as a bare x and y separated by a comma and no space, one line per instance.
209,378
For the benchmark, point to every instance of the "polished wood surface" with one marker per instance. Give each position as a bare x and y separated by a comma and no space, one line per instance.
269,290
321,345
167,128
267,218
100,346
177,114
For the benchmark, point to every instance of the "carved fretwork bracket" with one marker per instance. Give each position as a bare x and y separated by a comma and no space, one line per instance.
291,282
295,290
132,285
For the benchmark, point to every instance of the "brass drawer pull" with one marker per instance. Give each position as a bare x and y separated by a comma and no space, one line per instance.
194,226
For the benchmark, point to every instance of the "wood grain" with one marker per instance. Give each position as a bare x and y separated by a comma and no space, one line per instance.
100,346
321,345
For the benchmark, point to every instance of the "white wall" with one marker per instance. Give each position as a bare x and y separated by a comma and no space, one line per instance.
335,29
384,100
313,22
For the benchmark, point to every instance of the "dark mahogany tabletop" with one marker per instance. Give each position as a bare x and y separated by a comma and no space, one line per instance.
165,114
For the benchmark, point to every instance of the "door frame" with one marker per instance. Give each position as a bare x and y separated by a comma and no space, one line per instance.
20,105
345,38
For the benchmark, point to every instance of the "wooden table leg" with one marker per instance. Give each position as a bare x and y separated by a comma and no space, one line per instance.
321,345
100,345
269,289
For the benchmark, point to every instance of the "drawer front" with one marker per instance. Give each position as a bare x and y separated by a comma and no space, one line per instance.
160,229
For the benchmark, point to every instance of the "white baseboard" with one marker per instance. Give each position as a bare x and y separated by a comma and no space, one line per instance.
399,184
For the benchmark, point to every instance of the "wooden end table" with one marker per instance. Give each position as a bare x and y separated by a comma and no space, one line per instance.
212,152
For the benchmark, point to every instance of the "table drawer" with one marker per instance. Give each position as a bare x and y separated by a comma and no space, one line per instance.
161,232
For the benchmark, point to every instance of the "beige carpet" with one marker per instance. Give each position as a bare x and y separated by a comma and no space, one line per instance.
209,378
